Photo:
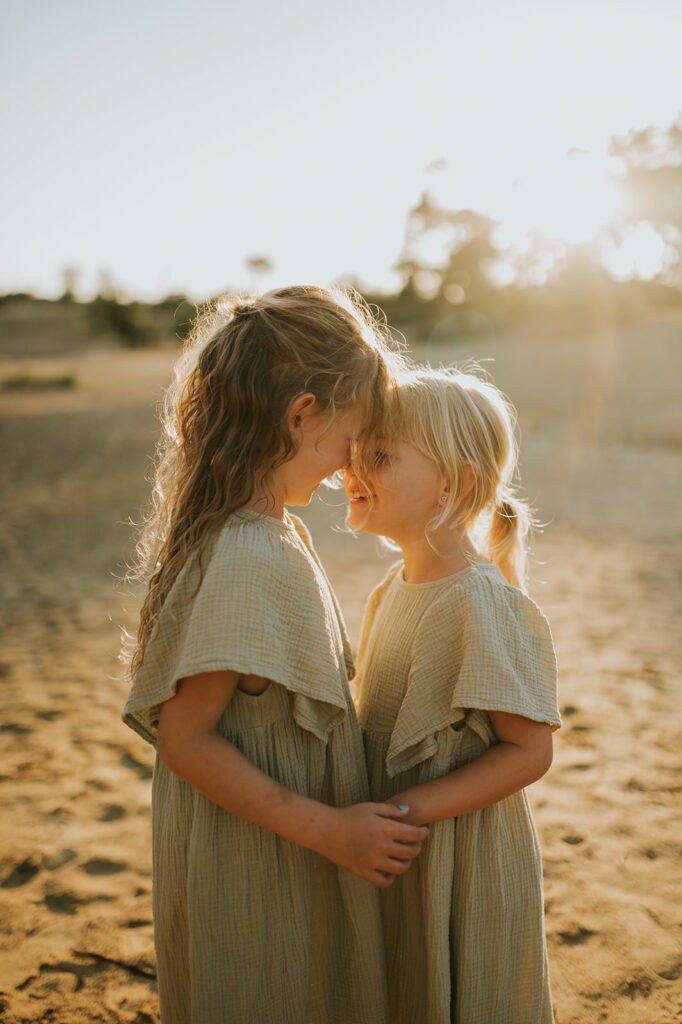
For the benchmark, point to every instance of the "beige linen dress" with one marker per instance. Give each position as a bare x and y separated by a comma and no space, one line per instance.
464,929
250,928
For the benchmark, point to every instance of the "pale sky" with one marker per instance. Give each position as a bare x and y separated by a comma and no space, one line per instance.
167,141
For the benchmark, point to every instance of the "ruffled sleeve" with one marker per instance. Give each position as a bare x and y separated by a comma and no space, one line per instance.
483,645
256,610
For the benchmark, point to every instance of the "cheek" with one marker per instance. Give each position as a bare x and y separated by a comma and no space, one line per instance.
330,458
334,461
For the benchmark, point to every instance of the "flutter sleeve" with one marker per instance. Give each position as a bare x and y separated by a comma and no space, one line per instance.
483,645
254,610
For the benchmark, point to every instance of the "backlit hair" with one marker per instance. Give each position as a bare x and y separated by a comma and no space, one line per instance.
454,417
225,415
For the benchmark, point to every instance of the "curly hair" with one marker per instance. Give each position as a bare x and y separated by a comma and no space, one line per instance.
225,416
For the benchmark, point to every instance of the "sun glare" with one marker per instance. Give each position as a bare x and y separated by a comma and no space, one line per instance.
569,202
641,254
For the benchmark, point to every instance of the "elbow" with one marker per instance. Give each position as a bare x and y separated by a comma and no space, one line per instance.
163,744
168,746
544,757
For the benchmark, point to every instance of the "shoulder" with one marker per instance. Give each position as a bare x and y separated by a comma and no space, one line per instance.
493,641
376,595
482,604
373,604
301,529
244,552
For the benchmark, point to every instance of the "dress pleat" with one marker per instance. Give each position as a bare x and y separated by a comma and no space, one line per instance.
464,927
249,927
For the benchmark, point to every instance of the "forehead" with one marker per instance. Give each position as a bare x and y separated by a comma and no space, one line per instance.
350,419
403,451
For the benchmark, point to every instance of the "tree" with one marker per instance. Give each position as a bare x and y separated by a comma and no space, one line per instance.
652,185
69,277
259,266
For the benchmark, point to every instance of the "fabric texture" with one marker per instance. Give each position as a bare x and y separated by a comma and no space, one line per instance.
249,927
464,928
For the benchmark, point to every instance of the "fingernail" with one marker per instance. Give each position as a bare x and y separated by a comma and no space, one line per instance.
403,807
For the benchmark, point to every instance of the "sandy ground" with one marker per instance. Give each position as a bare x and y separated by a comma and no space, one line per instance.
602,459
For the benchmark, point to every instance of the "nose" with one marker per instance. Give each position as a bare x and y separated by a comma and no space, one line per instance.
349,477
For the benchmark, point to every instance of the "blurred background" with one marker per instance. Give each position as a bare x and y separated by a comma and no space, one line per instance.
504,182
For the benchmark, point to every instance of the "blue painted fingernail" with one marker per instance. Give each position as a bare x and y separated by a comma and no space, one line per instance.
403,807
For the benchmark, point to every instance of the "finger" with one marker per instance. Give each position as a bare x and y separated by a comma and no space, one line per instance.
381,879
391,811
391,866
409,833
405,851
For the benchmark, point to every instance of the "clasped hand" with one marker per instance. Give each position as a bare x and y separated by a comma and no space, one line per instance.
372,842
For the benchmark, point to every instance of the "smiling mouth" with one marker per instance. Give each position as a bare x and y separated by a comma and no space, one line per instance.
359,499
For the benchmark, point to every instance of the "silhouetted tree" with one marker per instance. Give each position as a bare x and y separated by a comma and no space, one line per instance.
652,184
69,277
182,313
126,321
259,267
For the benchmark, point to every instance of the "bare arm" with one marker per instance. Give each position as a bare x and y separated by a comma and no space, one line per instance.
522,755
367,839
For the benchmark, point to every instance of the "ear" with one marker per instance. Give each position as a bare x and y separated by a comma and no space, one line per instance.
470,475
300,409
468,478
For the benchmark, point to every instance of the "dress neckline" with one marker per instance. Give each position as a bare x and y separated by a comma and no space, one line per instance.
284,525
443,580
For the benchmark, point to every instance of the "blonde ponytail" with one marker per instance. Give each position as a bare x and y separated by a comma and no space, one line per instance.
506,539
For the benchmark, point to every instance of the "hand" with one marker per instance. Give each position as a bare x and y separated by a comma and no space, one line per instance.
372,842
410,798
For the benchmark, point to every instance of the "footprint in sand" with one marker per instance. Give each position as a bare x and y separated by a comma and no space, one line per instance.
637,786
68,902
59,814
143,770
60,979
638,986
576,937
98,784
15,729
671,973
112,812
102,866
21,873
62,902
53,861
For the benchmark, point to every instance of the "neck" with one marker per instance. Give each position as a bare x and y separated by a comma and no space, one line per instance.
267,501
453,552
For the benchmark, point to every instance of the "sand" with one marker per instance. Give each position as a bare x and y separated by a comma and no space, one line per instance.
602,458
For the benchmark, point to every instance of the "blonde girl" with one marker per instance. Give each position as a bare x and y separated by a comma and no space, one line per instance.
239,678
457,702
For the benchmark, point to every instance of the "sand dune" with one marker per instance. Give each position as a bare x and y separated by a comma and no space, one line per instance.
602,459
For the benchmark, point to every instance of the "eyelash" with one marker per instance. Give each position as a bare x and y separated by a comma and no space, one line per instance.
380,458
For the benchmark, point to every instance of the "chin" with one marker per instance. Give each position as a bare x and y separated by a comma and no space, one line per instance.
359,520
299,500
